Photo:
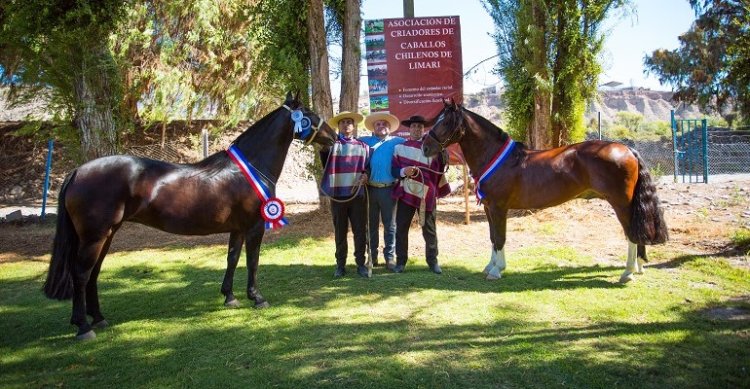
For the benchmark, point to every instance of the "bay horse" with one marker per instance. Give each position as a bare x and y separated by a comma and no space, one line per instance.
207,197
510,176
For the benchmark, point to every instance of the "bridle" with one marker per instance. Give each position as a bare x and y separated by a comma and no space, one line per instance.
303,125
455,136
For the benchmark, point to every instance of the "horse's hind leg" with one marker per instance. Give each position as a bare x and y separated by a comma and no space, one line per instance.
88,256
642,258
631,266
92,288
236,239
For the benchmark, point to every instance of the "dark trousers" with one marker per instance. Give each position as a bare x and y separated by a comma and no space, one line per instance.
404,215
382,207
354,212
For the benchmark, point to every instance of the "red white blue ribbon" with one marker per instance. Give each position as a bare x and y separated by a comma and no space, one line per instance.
271,208
492,167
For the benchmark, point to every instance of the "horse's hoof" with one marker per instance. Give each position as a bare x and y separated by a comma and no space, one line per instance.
100,324
86,335
625,278
262,305
234,303
487,269
493,277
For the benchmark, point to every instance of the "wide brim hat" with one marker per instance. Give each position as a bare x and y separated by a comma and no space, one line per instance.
334,121
374,117
414,119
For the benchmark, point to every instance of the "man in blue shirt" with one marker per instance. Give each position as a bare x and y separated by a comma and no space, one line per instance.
380,184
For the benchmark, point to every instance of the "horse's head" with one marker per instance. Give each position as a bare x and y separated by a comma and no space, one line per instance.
308,126
448,129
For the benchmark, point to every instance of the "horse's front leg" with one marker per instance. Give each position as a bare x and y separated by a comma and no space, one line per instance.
498,222
493,256
236,239
253,238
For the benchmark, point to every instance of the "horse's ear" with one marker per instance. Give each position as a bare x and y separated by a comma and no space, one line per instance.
288,98
445,102
296,95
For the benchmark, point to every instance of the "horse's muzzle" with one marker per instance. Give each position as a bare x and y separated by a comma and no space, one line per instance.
429,147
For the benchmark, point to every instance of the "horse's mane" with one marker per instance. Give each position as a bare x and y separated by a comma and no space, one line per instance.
519,151
218,161
252,130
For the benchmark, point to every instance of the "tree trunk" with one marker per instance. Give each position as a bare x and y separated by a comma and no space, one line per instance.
319,78
539,133
350,59
559,99
96,106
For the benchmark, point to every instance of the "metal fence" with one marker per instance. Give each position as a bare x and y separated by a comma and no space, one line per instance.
728,152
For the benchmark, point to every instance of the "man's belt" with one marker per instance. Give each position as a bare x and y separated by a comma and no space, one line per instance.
379,185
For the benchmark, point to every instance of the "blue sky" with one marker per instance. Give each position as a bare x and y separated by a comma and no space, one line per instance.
654,24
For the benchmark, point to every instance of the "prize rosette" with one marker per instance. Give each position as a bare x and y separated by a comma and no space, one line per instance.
273,213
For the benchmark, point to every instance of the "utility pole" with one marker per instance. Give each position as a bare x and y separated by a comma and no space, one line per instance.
408,8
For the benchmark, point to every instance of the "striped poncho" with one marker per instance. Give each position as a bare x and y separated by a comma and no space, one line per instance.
426,187
345,163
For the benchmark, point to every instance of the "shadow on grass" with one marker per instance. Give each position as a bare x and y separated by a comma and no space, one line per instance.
728,251
276,347
179,291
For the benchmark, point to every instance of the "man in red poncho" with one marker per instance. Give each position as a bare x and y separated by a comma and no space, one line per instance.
420,183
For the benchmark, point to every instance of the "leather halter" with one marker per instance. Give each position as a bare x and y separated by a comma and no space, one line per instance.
459,130
314,127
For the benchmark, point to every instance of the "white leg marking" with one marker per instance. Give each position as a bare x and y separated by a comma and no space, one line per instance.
496,272
490,265
641,263
631,264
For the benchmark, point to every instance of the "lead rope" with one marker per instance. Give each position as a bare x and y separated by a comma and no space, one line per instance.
422,191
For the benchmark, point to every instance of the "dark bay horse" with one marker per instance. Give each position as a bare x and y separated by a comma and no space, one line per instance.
210,196
509,176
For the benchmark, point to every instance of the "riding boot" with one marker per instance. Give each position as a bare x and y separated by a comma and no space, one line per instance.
400,265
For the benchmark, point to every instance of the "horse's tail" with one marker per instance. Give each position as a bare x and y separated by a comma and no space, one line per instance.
59,284
647,224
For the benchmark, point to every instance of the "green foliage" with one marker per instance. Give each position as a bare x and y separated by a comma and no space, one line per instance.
631,120
710,67
284,55
58,49
193,58
618,131
548,51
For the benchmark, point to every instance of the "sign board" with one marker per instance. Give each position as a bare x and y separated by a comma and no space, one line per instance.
412,65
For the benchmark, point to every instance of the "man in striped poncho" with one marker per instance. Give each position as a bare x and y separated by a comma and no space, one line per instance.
344,176
420,184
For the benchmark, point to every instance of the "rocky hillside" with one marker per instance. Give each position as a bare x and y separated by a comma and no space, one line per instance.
653,105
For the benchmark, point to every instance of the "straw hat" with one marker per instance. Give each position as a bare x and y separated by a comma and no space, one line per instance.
414,119
374,117
334,121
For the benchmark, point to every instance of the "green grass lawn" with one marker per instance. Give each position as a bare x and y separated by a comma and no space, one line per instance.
555,319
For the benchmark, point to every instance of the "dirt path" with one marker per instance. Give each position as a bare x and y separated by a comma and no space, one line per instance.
701,218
